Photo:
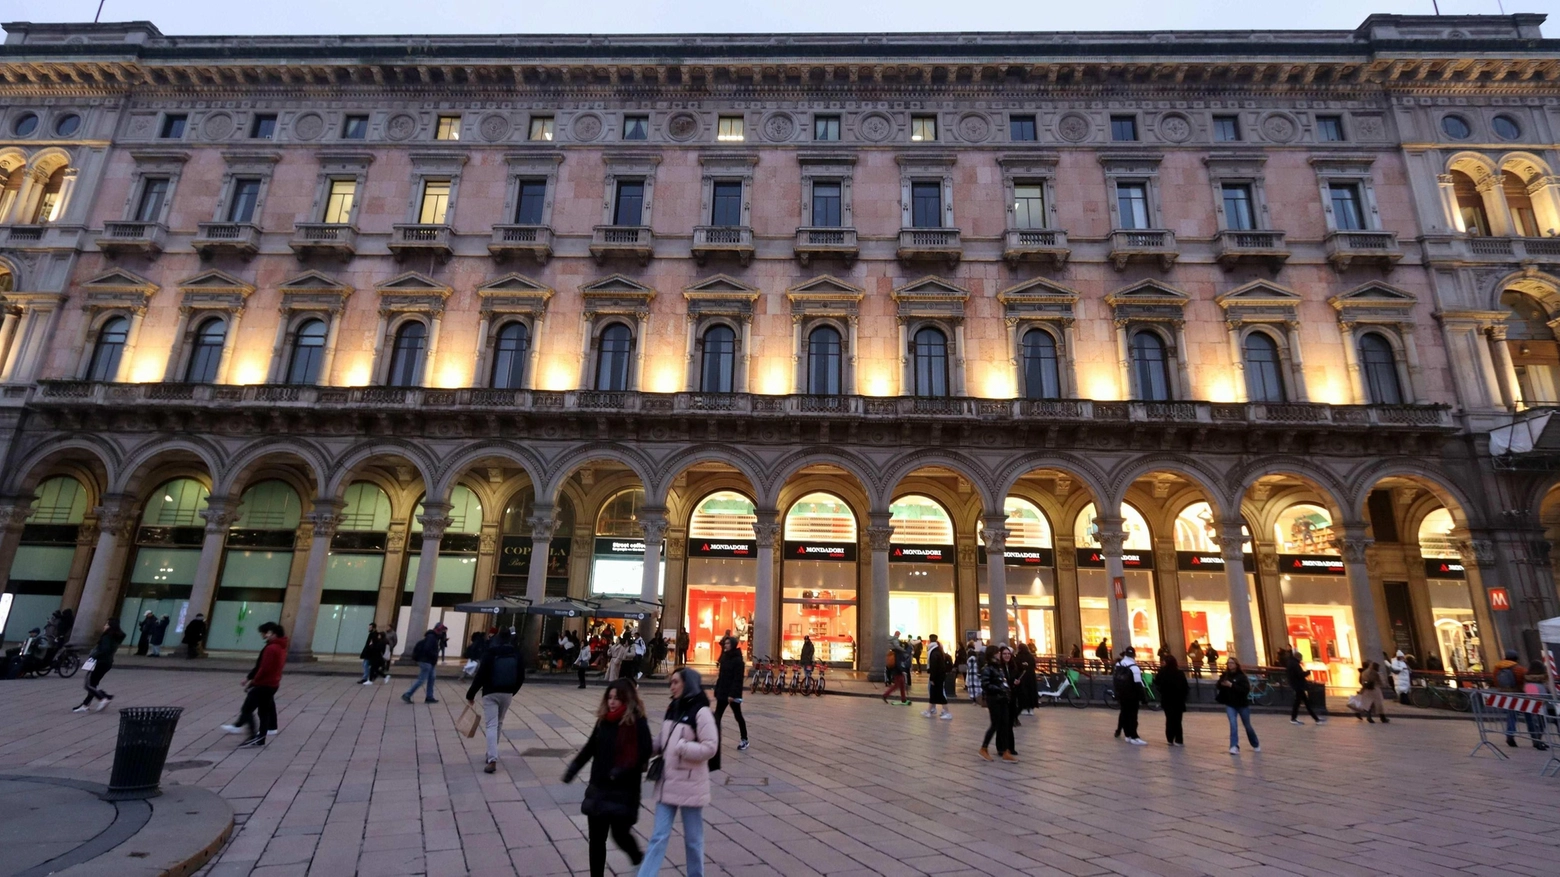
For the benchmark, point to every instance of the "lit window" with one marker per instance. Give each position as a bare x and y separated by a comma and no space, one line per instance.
264,127
730,129
338,206
923,128
541,128
435,202
636,127
826,127
448,128
1329,129
1226,128
1123,128
355,128
173,126
1021,129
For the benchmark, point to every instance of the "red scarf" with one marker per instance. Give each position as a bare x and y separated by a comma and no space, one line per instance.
626,755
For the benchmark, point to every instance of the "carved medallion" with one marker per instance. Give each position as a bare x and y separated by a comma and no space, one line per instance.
1279,129
494,126
974,128
400,126
875,127
682,126
308,126
1073,127
587,126
779,126
1369,128
1175,128
217,126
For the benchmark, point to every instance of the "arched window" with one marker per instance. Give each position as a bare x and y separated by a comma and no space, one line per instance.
206,352
1524,222
619,515
1151,366
929,352
1042,379
49,201
108,350
511,349
1470,204
613,352
1379,366
720,359
1264,379
406,356
1531,344
824,374
308,353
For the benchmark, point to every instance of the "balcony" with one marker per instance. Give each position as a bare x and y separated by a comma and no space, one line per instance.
418,238
824,242
1262,247
934,244
241,239
324,239
24,235
145,238
1035,245
1344,248
722,240
1470,248
522,240
622,241
1134,244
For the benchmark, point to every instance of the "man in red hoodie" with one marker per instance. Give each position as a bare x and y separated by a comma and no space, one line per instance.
261,685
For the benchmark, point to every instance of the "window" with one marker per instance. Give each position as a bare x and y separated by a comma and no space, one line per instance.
612,357
1123,128
308,353
1380,369
630,204
923,128
1348,213
533,196
1028,206
730,129
1238,213
926,205
1329,129
636,127
1264,379
1470,204
448,128
338,206
435,202
824,361
826,127
206,354
726,203
1524,220
511,349
1132,203
826,205
70,123
110,346
55,185
1456,127
1042,378
1226,128
929,352
246,194
173,126
406,354
1506,128
355,128
541,128
25,125
154,190
1151,366
1021,128
719,360
264,127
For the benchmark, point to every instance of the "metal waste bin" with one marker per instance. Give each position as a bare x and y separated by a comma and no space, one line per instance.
145,733
1318,697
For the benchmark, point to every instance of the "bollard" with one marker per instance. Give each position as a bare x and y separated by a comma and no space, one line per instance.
145,733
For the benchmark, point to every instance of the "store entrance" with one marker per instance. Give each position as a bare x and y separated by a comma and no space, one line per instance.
721,574
818,576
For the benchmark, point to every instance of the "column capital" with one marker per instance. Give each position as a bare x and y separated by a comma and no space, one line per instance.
879,536
1111,534
544,523
115,514
996,539
653,522
434,522
1232,540
221,512
324,517
767,533
1353,548
14,511
1477,553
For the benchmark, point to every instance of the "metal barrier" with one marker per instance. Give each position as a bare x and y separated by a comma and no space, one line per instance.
1495,712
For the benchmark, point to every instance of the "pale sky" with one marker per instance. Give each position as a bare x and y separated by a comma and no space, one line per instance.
758,16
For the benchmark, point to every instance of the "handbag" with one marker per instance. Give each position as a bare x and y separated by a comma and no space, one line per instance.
470,668
89,664
468,721
1357,703
655,769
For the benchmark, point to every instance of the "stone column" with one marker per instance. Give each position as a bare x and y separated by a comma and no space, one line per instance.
544,522
220,513
14,512
653,522
766,530
1069,618
1112,537
1230,542
877,633
1353,546
115,517
996,535
1505,369
322,520
435,518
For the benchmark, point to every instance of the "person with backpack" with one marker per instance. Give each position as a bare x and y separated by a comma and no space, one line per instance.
939,666
1194,653
373,652
194,636
1126,680
689,747
500,673
260,686
1234,691
896,669
426,654
997,688
1296,673
1174,690
728,687
159,634
1512,678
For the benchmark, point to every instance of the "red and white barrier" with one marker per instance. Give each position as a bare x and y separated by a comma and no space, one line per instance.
1514,702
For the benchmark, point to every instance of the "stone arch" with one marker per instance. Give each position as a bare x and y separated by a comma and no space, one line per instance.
1081,470
964,513
103,461
782,470
737,458
904,465
564,465
150,456
1540,285
856,496
346,464
1328,486
679,510
266,454
452,470
1366,476
1525,165
1124,476
12,271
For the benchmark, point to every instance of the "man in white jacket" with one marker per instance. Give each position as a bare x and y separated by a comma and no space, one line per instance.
1402,676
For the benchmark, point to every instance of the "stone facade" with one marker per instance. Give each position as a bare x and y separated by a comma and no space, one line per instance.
933,201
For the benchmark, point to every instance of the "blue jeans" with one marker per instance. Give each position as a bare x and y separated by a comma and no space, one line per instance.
1535,724
424,677
368,670
1245,716
693,840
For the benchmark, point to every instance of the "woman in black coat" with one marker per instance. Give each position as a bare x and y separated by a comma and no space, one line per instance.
619,749
1026,686
1173,693
728,686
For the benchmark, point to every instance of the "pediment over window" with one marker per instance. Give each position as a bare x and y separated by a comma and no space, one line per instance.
514,293
214,289
412,291
616,294
721,294
1038,299
931,297
1260,302
312,290
1149,300
824,296
1374,297
117,289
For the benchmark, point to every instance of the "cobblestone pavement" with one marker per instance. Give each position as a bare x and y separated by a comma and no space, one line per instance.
360,783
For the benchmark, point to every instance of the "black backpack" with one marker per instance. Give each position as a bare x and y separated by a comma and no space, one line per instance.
1122,682
505,673
1506,679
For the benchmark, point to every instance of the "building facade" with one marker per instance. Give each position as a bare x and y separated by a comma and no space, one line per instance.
1151,338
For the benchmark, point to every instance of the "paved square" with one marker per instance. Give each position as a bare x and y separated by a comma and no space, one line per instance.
360,783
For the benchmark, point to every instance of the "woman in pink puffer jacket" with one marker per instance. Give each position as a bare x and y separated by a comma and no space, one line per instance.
687,742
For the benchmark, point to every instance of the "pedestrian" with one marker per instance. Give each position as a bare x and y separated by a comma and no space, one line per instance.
260,688
1402,676
637,656
159,634
426,654
1511,677
97,665
194,636
1127,683
687,743
618,750
473,653
1102,653
730,674
387,659
1370,693
682,646
1211,655
444,640
998,692
896,671
1174,690
1076,655
939,667
1164,652
1297,673
1194,653
500,673
1026,684
657,653
373,652
972,676
1235,693
920,649
1433,664
145,626
582,663
809,655
615,654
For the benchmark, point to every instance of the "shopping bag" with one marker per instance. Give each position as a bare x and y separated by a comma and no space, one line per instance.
469,721
470,668
1357,703
89,664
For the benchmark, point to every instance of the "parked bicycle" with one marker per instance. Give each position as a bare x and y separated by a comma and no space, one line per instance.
1063,686
795,685
813,682
1441,696
763,675
1262,692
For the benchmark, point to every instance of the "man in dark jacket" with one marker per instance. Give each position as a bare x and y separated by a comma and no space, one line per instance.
194,635
1296,673
148,627
500,673
261,684
728,687
426,654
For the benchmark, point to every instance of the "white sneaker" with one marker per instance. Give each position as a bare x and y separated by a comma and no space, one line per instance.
366,682
1234,750
80,709
233,729
926,714
100,705
272,733
1138,741
946,716
387,679
1296,722
1256,749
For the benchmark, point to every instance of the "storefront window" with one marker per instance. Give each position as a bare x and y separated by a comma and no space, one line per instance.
256,566
921,569
618,565
43,560
1094,585
168,544
819,580
1318,605
1451,604
1031,577
722,570
456,569
514,552
353,573
1205,588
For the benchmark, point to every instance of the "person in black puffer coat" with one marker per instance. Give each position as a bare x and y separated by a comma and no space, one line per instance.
728,687
619,749
997,689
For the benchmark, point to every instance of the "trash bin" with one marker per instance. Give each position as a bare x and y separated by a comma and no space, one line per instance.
145,733
1318,696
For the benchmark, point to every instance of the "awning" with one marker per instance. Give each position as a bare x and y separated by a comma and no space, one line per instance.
495,606
1549,630
563,607
633,610
1526,433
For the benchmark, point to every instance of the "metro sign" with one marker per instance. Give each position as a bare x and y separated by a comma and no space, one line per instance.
1500,601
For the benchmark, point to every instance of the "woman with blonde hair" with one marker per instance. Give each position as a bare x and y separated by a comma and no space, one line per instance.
619,749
